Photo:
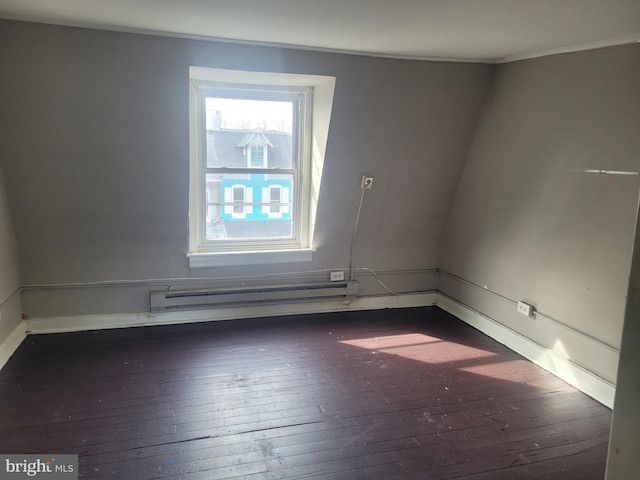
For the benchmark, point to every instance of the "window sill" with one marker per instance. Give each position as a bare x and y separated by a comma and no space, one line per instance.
258,257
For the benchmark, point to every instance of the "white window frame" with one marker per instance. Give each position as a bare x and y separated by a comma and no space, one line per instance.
275,209
204,253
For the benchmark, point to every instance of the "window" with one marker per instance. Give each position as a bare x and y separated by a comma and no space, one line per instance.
274,199
257,156
254,180
238,200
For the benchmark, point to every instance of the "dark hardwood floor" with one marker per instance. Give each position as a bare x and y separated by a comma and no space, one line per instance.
393,394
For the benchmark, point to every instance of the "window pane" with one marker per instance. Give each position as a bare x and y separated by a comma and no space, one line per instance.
257,156
250,206
238,200
249,133
274,199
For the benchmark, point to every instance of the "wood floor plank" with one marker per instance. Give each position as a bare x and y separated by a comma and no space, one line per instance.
410,393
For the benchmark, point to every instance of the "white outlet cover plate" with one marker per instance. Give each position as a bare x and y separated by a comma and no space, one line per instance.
337,276
525,308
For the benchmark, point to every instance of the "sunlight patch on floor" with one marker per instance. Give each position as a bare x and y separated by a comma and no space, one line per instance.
421,347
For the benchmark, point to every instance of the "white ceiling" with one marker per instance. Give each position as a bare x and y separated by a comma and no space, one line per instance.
468,30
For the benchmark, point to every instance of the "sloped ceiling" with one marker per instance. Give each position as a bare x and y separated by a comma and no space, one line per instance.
467,30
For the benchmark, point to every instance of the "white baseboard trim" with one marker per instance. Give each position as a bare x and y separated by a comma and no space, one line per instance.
10,344
575,375
126,320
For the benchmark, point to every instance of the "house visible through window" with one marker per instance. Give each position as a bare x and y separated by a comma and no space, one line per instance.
250,167
254,179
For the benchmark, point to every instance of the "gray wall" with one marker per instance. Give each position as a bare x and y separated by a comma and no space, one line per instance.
624,444
536,218
96,160
9,274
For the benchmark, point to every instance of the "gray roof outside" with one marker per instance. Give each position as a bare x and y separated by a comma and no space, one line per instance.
224,148
242,229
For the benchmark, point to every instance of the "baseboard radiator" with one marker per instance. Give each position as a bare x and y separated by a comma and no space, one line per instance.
185,299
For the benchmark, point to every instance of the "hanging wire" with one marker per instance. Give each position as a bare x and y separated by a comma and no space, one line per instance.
353,237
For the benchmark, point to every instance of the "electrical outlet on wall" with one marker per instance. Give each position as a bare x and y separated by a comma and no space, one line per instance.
525,309
367,182
337,276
